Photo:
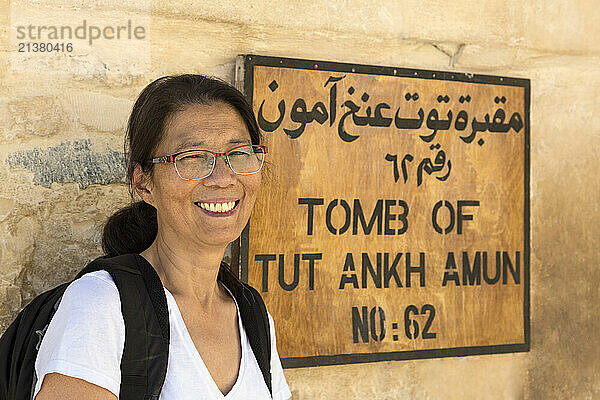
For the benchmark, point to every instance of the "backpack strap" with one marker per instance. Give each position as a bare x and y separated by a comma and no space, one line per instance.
146,317
255,320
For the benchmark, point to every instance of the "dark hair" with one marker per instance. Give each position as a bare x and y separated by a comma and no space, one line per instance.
133,229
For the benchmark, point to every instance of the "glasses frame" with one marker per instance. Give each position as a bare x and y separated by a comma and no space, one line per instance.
171,159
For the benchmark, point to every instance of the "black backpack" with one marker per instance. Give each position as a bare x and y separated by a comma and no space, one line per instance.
146,316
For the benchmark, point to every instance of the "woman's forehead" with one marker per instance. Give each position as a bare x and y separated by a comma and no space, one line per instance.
202,125
193,143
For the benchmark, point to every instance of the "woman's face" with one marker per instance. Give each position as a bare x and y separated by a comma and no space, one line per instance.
180,204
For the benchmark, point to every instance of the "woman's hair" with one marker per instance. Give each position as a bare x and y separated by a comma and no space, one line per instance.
133,229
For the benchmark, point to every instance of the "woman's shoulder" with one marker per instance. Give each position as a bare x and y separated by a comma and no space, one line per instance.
90,301
94,288
86,336
89,305
95,279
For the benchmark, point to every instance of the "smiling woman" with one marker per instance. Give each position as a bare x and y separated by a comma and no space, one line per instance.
195,157
181,218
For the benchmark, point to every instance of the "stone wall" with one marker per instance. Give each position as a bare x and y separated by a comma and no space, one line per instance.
61,148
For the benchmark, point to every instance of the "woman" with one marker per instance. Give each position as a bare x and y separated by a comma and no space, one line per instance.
195,161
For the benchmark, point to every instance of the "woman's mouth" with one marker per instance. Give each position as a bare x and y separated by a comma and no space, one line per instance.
218,208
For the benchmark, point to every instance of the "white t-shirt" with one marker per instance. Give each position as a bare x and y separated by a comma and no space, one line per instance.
86,336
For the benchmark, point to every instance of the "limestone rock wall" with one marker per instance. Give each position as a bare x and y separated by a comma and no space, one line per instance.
61,141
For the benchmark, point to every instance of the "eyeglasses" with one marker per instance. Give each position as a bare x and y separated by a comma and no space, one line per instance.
198,164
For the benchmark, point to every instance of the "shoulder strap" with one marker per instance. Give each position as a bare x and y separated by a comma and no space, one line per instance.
254,318
146,316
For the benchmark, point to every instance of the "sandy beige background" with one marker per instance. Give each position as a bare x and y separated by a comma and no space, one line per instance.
49,122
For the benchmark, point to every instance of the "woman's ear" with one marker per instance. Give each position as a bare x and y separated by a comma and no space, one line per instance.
142,184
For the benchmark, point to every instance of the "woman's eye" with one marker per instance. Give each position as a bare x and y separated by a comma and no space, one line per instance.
190,157
194,157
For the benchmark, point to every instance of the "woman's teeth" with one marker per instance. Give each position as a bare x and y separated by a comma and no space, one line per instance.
218,207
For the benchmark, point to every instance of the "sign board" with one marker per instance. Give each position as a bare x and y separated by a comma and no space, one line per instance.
393,221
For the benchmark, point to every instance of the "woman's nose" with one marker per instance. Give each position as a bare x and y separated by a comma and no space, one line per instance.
221,175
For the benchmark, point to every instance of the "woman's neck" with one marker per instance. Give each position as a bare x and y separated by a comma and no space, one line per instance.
188,272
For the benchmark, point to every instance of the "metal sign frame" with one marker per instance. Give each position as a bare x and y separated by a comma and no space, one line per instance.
240,250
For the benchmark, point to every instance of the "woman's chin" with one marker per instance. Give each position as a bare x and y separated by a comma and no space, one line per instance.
218,239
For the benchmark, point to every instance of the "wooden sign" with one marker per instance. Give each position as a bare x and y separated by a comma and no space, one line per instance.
393,221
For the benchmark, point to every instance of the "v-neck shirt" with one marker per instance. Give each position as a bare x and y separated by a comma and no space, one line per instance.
86,336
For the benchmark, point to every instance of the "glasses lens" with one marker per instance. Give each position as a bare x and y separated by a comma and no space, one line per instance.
195,164
246,159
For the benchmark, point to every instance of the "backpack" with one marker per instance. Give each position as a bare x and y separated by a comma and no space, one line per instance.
146,316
